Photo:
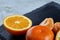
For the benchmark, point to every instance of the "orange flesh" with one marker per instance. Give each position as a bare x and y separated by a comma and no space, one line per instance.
17,22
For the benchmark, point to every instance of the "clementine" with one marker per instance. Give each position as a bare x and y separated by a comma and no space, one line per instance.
39,33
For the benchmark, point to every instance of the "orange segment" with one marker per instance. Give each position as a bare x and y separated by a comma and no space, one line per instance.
17,23
48,22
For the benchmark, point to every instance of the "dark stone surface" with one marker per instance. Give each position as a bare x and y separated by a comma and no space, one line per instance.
2,37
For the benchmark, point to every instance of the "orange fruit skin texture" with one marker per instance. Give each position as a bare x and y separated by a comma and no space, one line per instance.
16,33
39,33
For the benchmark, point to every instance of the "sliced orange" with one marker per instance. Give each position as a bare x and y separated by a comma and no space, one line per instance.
48,22
17,24
58,35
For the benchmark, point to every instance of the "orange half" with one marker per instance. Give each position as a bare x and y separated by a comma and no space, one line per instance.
15,24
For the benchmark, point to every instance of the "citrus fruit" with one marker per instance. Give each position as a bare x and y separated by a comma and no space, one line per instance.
48,22
58,35
17,24
56,27
39,33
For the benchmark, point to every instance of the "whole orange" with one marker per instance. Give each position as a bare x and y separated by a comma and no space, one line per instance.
39,33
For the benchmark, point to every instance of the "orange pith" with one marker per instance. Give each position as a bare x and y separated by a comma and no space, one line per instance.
17,22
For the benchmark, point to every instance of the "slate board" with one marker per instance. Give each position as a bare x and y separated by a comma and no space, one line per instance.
51,9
